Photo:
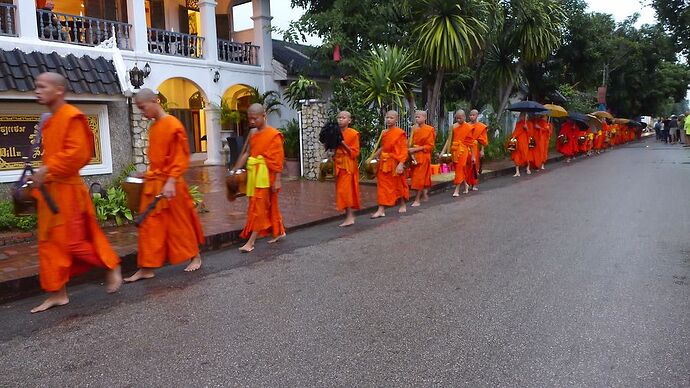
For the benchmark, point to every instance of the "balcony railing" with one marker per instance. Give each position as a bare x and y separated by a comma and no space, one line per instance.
7,17
175,43
81,30
242,53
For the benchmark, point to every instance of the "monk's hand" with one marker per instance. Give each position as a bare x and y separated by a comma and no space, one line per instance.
169,188
401,167
277,184
39,176
481,153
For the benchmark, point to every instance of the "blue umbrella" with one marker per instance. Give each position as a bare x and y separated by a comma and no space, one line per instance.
528,106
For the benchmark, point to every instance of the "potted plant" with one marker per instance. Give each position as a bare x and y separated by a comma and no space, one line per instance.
291,148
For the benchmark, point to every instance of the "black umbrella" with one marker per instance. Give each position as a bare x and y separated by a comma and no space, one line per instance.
581,119
528,106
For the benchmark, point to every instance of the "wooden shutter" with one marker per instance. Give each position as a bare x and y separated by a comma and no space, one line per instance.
223,26
157,14
94,8
184,20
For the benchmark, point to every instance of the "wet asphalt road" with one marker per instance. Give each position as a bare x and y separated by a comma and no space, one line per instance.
577,276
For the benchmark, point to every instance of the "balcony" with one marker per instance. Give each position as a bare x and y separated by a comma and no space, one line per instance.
81,30
241,53
175,43
7,16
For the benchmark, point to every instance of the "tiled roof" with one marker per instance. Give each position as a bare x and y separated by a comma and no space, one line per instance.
85,75
298,59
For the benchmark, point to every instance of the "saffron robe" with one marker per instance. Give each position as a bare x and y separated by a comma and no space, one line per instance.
347,172
71,241
389,185
566,143
263,214
459,150
524,130
172,231
479,138
542,135
425,137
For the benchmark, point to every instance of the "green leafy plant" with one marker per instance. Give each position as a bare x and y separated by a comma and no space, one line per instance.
228,116
270,100
8,221
301,89
197,198
113,207
291,139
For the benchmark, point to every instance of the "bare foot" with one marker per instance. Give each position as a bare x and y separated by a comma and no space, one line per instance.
347,223
246,249
543,167
529,172
57,299
113,280
278,238
415,204
378,215
456,195
475,188
143,273
403,209
425,197
195,264
517,174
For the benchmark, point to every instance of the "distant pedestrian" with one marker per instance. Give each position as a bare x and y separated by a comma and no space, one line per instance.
674,129
664,130
686,126
657,129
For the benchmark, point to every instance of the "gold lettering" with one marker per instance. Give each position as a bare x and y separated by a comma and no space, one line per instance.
10,152
7,129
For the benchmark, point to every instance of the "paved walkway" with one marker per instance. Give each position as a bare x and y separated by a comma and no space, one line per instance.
302,203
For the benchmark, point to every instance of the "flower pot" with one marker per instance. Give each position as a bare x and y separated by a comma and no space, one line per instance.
292,168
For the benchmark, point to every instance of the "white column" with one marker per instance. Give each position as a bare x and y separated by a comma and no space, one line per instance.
213,140
208,29
27,26
262,32
136,16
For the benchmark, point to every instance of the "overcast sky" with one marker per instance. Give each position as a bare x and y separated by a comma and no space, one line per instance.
283,13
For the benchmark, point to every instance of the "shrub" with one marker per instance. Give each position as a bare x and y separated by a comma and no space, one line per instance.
113,207
8,221
291,139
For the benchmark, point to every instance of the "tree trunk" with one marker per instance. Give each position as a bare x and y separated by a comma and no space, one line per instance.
474,93
435,96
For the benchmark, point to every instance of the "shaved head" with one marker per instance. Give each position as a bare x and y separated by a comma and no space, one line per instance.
346,114
460,112
344,119
420,112
391,118
474,112
420,117
393,113
54,79
256,108
146,95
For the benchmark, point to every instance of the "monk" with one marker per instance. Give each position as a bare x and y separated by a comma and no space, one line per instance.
172,231
459,151
600,136
542,135
583,132
523,133
566,142
346,170
264,159
391,183
423,141
480,140
69,242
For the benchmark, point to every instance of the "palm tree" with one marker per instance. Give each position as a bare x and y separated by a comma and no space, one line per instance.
386,77
270,100
533,29
450,34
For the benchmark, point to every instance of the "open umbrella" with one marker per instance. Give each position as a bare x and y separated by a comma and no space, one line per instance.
621,121
556,110
601,114
594,123
527,106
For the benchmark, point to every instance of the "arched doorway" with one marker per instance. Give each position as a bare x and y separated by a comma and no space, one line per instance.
183,99
238,99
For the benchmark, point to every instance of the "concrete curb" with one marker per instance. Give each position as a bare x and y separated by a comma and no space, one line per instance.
29,286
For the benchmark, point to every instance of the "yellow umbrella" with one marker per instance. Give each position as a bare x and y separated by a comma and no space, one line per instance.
556,110
593,122
601,114
621,121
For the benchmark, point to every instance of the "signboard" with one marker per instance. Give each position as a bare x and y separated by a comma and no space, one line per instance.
19,126
17,132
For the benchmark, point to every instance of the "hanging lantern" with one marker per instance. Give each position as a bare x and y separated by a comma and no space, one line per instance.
336,53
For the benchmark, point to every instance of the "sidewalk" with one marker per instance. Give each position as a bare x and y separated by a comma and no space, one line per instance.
302,204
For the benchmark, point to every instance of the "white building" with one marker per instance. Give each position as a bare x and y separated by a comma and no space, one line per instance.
194,54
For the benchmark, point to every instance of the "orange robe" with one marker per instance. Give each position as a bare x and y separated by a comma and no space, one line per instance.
600,136
542,135
172,231
70,242
583,140
459,150
263,214
524,130
479,138
566,143
425,137
391,186
347,172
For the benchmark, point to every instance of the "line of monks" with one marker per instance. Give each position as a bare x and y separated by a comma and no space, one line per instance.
529,142
71,242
